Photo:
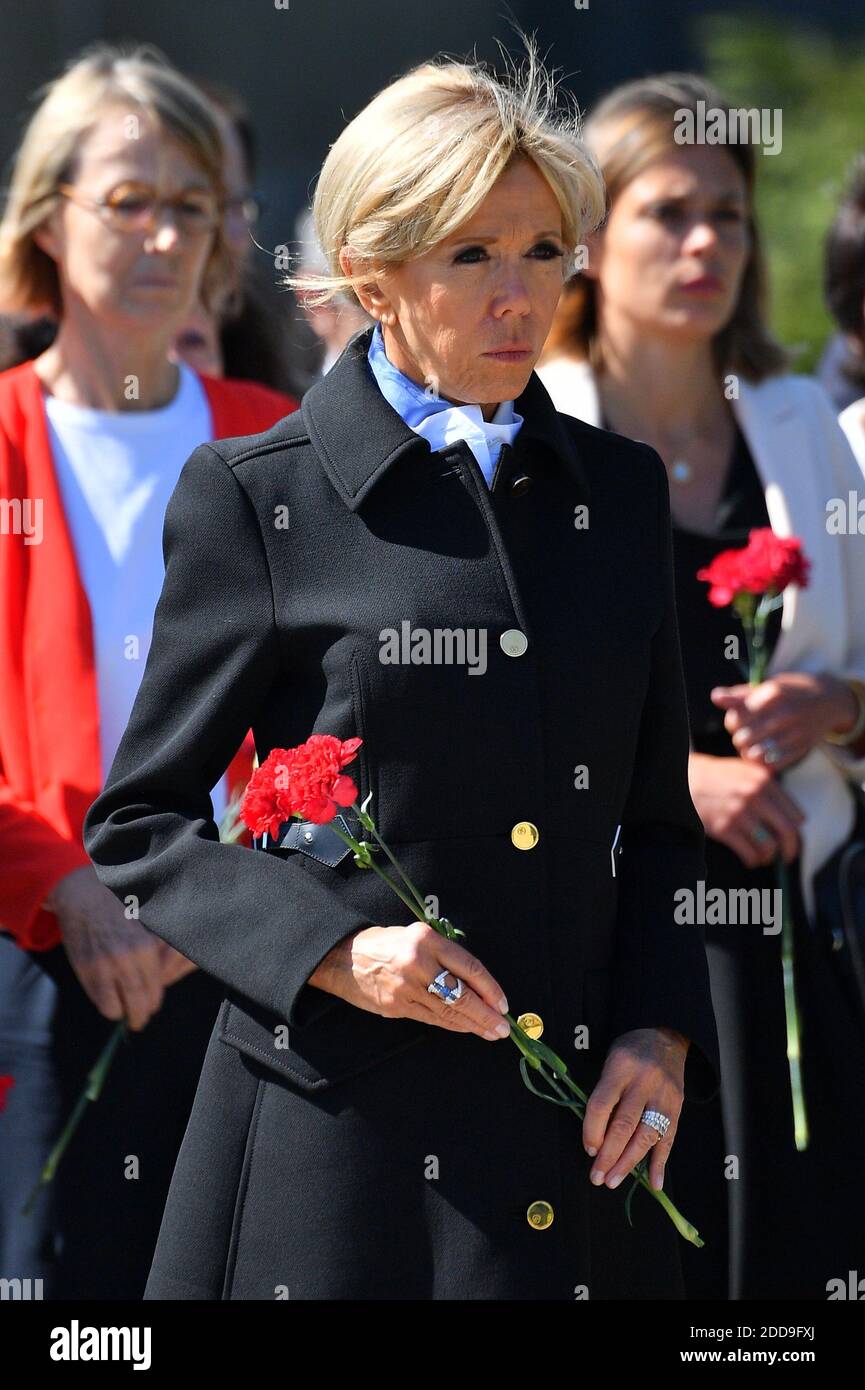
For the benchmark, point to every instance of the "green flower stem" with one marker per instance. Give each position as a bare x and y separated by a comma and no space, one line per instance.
538,1055
359,850
400,870
754,624
92,1089
800,1118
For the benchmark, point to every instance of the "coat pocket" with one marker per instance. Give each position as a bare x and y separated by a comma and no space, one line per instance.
342,1042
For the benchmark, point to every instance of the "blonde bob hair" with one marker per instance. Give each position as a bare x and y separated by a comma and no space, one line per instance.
631,128
102,76
420,158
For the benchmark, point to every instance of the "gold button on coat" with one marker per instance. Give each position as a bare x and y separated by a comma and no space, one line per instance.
540,1215
513,642
525,835
532,1024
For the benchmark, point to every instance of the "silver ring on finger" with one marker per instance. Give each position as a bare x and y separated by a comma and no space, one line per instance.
771,750
443,990
760,834
655,1120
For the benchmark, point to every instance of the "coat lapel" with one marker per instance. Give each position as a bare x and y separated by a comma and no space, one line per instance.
774,434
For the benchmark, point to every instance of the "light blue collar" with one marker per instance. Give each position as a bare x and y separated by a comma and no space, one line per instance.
440,421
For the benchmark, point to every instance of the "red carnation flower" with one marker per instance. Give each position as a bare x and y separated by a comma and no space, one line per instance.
306,781
767,564
6,1084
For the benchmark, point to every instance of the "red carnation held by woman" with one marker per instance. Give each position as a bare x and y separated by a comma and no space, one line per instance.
305,781
768,563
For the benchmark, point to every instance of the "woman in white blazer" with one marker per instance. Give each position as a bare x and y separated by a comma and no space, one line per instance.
660,336
844,284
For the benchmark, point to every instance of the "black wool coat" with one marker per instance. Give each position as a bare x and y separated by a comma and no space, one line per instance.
350,1155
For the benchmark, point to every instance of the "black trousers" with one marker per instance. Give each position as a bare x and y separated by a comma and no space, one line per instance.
92,1232
778,1223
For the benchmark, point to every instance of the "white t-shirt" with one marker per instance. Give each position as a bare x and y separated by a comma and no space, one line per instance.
116,471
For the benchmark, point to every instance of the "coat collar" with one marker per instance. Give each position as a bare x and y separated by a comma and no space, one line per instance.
358,435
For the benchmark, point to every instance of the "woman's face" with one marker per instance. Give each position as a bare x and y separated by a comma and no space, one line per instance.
133,280
492,284
671,257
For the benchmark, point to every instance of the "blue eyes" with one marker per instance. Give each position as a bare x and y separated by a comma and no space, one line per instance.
548,247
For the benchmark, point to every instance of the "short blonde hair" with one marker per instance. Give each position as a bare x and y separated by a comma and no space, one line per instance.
421,157
69,107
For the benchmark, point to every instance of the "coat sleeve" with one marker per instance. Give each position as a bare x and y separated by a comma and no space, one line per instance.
259,923
661,976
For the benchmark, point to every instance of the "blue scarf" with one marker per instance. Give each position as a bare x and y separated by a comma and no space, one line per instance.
440,421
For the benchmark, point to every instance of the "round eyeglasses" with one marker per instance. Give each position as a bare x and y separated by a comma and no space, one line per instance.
135,207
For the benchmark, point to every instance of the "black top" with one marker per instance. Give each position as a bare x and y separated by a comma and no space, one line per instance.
704,629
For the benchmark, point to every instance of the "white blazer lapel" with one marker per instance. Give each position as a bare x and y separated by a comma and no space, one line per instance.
572,388
811,637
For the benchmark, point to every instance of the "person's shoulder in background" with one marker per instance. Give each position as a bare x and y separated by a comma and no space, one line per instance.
244,407
570,384
852,422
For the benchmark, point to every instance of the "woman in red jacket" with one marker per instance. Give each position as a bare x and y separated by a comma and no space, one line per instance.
114,225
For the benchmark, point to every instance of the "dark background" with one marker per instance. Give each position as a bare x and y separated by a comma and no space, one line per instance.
307,70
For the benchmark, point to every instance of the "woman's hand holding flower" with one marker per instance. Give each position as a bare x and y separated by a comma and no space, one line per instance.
644,1069
386,970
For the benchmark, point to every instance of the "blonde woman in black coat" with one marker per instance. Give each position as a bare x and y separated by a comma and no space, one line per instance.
355,1135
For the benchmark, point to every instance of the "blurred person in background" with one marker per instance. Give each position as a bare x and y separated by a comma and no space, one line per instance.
844,287
112,226
661,337
257,333
337,321
840,372
23,336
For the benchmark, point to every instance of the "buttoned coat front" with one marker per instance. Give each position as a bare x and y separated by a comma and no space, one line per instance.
331,1152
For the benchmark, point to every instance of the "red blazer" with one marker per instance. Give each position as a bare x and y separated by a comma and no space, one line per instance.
50,759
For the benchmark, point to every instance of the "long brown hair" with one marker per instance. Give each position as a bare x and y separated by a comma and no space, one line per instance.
631,128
